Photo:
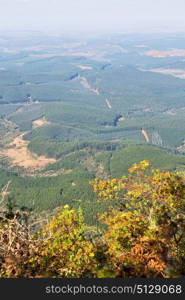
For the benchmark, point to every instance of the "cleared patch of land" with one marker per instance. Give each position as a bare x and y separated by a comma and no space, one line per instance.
121,119
145,134
171,112
108,103
181,147
86,85
4,192
165,53
18,153
179,73
40,122
84,67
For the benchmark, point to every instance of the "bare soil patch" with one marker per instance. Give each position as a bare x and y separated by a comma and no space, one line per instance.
86,85
165,53
179,73
18,153
108,103
40,122
121,119
145,134
84,67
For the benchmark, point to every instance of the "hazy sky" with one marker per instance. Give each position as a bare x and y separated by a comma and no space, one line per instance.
91,15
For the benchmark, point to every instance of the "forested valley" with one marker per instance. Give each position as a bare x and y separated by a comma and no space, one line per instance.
92,156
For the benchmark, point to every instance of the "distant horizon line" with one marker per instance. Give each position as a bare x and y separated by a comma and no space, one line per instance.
154,30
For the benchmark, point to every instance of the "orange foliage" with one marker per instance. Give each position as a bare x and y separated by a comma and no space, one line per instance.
144,235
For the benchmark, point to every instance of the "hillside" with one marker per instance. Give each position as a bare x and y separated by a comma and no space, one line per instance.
74,109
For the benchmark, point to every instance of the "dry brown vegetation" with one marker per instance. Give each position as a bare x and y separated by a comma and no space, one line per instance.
144,235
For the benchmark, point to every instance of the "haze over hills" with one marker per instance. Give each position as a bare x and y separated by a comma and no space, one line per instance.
98,16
